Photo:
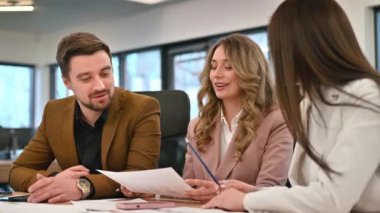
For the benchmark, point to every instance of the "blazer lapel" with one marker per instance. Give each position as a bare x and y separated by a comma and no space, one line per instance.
67,136
110,126
212,155
228,161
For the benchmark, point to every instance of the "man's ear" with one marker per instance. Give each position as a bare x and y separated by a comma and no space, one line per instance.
67,82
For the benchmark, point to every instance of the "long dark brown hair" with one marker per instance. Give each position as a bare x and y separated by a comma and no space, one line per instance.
312,44
257,96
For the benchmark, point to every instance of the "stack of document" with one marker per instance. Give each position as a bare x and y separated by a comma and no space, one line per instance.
155,181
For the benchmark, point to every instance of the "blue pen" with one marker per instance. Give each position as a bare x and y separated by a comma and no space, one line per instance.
203,164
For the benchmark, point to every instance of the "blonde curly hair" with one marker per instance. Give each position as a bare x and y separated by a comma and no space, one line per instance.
257,92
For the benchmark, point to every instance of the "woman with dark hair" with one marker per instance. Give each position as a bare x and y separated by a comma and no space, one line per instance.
240,132
335,167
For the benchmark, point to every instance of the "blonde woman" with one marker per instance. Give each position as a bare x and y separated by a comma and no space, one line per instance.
240,132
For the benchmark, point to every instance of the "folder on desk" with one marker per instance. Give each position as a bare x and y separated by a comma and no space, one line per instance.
163,181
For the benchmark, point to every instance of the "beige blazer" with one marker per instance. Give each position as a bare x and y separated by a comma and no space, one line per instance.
130,141
264,163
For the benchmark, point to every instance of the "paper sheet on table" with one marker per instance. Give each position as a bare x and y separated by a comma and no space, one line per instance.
163,181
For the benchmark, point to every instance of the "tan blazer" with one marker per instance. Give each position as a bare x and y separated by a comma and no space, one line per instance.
130,141
264,163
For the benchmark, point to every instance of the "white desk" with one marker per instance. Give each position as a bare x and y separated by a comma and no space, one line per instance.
181,207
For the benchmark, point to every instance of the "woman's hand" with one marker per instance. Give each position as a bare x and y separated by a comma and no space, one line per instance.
230,199
237,184
129,194
203,190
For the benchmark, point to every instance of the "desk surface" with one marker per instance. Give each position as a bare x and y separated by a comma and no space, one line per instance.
98,206
5,165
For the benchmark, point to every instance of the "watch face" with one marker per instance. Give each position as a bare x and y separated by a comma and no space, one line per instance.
84,183
84,186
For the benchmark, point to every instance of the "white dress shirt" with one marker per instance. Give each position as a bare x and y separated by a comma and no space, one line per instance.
226,133
349,142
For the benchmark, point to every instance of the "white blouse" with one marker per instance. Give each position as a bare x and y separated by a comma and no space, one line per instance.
226,133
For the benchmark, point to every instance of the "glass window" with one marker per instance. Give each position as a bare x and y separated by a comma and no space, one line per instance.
116,70
187,67
17,90
60,90
377,37
261,38
143,71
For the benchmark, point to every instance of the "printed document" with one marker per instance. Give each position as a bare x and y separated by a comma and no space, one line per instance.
163,181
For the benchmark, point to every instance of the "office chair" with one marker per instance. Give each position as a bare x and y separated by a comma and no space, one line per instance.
175,117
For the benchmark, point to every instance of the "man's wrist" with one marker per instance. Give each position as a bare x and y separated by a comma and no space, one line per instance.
84,186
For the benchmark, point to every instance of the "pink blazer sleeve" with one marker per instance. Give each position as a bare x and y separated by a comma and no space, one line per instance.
277,153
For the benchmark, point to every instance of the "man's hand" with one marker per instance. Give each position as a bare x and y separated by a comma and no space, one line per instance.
58,189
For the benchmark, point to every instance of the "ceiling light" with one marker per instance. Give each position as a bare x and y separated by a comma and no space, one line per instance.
148,1
20,8
16,5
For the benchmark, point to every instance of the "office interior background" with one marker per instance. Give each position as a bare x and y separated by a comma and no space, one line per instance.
155,47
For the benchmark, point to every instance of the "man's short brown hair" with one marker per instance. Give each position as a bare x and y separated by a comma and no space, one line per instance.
75,44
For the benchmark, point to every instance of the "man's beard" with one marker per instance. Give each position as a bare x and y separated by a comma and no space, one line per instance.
98,107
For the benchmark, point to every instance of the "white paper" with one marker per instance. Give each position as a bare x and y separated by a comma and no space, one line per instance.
163,181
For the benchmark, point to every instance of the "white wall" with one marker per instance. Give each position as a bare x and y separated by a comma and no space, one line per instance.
181,21
176,22
361,16
19,47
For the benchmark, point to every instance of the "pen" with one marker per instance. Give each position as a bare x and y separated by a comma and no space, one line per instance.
203,163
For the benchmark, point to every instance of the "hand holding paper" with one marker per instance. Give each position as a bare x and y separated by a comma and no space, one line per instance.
155,181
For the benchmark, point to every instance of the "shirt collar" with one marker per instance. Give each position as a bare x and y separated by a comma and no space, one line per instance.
78,112
234,119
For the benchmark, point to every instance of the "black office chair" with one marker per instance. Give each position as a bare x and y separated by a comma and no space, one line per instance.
175,117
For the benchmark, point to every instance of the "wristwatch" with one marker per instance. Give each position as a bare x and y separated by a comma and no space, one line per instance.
84,186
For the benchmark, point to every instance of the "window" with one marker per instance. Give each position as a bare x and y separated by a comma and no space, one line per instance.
116,70
187,68
60,90
143,71
261,38
17,89
377,37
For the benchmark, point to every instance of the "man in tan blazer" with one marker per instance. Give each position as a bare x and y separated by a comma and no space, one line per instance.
100,127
